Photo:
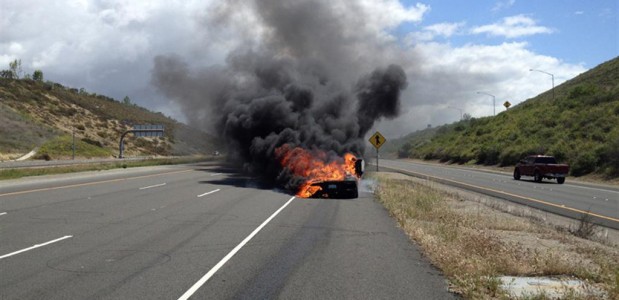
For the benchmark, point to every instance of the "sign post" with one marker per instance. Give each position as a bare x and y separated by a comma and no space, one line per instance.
377,140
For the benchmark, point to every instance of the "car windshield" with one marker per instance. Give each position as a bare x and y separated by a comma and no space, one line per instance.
545,160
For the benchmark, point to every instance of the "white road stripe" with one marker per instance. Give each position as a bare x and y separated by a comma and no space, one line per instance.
152,186
215,174
214,191
236,249
2,213
36,246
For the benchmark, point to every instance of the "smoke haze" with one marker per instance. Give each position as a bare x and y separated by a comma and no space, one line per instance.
300,84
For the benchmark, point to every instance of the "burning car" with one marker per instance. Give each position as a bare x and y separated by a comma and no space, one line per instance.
322,175
345,188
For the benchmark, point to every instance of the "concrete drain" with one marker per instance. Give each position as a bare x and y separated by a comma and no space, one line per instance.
551,287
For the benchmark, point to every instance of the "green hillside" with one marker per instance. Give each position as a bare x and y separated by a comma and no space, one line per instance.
44,115
580,126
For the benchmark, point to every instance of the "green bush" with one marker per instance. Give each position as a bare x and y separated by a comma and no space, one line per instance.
560,151
584,163
92,142
581,90
404,151
509,157
610,155
488,156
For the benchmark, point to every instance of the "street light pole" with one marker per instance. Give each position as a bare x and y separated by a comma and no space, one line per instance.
493,102
460,109
553,80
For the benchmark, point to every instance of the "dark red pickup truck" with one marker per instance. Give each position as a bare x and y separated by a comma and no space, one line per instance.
540,167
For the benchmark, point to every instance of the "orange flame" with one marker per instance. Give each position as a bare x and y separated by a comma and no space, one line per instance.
314,166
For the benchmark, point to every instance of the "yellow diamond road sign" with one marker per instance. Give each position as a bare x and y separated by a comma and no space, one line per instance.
507,104
377,140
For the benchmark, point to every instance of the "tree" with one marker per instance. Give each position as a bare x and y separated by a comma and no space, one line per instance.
466,116
15,67
37,75
127,100
6,74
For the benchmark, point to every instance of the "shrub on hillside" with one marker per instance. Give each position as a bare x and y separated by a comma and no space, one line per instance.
92,142
581,90
488,156
560,151
584,163
610,155
67,111
405,150
43,156
509,157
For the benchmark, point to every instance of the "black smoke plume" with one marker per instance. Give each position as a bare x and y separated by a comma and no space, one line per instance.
262,99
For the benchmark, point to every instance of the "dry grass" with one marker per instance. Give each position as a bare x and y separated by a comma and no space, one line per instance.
473,243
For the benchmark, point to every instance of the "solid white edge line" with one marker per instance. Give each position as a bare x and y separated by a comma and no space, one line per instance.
215,174
2,213
152,186
213,191
236,249
36,246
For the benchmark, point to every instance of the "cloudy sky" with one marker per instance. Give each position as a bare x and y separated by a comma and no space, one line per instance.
450,50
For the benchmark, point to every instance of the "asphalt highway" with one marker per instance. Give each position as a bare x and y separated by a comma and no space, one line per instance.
199,232
569,199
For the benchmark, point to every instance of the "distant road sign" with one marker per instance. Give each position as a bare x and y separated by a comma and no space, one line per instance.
377,140
139,131
507,104
147,130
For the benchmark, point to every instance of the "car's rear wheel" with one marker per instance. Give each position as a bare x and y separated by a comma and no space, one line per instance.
517,174
537,177
560,180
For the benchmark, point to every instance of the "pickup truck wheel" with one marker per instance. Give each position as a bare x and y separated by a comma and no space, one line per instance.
517,174
560,180
537,177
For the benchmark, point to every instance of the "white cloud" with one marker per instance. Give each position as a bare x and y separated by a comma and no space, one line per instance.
429,33
501,5
375,18
512,27
580,12
390,13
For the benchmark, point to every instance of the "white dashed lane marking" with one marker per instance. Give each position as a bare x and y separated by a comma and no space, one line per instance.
36,246
207,193
152,186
